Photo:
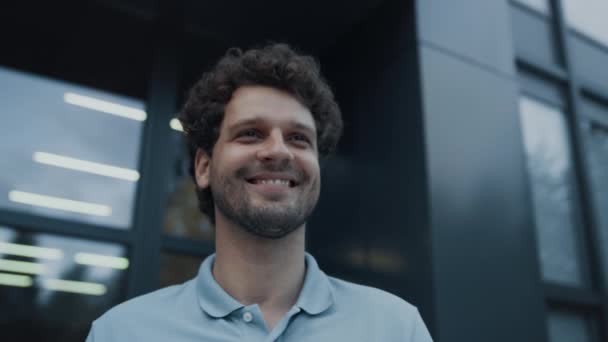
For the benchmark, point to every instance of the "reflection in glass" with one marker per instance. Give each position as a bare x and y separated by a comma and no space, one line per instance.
46,294
588,17
547,149
541,6
597,153
176,269
71,154
182,216
568,326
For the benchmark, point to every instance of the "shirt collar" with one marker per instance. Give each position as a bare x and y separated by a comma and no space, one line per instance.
315,297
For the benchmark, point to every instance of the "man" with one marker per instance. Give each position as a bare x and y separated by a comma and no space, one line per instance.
256,126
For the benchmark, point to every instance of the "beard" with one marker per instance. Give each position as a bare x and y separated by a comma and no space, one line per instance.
273,217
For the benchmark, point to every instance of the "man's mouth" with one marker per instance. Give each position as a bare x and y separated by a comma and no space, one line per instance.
279,181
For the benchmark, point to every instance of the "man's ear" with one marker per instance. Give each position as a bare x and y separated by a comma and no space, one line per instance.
201,168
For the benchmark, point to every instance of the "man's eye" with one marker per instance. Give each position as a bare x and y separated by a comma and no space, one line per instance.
250,133
300,138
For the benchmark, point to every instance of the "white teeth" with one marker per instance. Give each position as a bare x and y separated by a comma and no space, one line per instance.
275,182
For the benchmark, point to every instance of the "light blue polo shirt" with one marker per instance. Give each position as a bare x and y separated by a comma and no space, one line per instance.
327,309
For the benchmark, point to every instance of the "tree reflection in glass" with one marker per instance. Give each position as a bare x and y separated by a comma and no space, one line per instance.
547,149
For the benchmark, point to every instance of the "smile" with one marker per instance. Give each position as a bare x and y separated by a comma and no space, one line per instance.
273,180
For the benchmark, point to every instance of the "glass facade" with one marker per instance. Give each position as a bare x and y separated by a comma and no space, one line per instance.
597,143
569,326
541,6
547,147
176,269
69,152
588,17
52,287
182,216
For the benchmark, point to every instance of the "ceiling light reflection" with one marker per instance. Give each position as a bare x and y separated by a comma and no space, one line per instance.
15,280
105,106
30,251
176,125
86,166
101,260
21,266
72,286
59,203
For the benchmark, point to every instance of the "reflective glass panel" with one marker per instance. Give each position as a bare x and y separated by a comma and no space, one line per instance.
541,6
182,216
547,149
588,17
52,287
597,151
569,326
67,151
176,269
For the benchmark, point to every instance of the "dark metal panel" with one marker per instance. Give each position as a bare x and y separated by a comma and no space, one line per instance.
156,161
477,30
371,225
572,297
487,276
534,84
589,61
534,36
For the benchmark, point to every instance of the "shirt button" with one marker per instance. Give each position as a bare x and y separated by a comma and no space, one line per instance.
247,316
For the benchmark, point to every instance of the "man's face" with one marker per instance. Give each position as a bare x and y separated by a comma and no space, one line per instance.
264,171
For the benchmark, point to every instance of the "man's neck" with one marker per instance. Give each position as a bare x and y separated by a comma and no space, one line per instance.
256,270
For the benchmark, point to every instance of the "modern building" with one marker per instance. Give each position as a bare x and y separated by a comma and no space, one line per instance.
472,179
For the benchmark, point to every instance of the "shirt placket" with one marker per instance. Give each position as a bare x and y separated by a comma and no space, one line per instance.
251,323
276,335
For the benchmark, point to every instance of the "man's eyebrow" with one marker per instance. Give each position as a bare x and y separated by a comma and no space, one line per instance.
247,122
304,127
254,121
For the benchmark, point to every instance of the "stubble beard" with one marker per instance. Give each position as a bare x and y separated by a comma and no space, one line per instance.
271,220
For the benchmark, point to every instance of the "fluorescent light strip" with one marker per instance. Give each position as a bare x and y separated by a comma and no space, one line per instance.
21,266
15,280
30,251
86,166
105,106
74,286
176,125
101,260
59,203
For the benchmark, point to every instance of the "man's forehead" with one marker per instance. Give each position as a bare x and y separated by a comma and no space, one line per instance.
264,105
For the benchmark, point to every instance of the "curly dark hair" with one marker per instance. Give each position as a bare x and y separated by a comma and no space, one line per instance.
274,65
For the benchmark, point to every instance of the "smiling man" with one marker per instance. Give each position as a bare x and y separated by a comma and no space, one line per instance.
257,125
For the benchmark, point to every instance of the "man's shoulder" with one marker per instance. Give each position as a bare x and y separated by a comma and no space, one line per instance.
352,294
387,316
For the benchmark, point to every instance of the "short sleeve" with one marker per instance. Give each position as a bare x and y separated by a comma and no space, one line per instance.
91,336
420,333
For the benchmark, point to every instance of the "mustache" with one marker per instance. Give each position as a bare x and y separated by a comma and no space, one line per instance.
285,167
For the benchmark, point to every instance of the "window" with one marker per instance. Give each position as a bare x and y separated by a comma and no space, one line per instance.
182,216
68,152
588,17
176,268
550,169
596,139
541,6
569,326
53,287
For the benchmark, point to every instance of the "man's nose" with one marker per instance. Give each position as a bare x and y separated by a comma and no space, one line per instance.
275,148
